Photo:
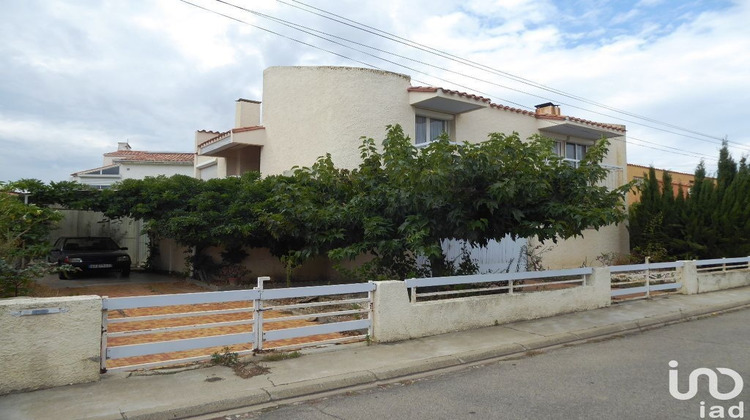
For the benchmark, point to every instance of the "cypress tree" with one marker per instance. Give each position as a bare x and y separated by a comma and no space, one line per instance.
647,234
712,221
699,213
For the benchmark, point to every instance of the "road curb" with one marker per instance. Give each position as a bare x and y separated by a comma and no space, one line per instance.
491,353
411,368
252,398
548,341
606,330
316,386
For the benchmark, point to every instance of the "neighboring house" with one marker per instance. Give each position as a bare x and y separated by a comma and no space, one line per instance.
123,164
126,163
638,173
310,111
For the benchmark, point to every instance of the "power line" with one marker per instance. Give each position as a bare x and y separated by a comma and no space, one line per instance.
294,26
635,142
317,33
395,38
281,35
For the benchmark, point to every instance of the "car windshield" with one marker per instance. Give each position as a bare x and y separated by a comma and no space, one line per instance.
90,244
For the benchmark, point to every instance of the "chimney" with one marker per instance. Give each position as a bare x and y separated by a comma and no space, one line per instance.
247,113
123,145
548,109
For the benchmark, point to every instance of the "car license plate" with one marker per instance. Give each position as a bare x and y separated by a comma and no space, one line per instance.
100,266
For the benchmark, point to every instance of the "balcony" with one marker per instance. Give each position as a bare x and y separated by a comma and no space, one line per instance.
578,128
230,142
445,101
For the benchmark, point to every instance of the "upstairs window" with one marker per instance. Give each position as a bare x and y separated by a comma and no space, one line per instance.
428,129
112,170
572,153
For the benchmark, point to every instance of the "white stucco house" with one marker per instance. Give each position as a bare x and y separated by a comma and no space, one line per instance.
306,112
126,163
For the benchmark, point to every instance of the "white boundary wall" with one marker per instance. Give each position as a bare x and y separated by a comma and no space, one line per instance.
396,318
49,342
697,282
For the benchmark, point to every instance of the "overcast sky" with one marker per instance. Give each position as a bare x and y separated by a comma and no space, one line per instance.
78,76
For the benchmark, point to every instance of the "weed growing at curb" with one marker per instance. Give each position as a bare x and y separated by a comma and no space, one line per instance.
242,369
227,358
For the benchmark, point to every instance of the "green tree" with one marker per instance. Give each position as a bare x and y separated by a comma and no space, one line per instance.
408,199
70,194
646,219
24,230
711,222
397,206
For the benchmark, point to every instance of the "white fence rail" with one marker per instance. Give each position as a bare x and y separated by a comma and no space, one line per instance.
640,280
723,264
360,308
499,283
196,313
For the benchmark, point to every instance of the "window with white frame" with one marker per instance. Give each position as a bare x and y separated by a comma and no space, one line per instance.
112,170
427,129
572,153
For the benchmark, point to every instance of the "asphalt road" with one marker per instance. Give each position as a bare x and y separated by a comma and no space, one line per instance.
620,378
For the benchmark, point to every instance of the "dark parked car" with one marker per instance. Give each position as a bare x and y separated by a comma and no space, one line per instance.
90,254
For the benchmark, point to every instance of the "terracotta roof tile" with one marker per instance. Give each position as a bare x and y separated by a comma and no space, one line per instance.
140,156
615,127
511,109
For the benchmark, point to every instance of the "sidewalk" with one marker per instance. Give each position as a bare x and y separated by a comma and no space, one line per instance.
155,395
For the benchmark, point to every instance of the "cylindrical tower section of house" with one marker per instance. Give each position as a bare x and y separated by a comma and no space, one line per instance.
311,111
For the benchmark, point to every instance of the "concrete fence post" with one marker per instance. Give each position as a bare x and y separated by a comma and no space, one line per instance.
688,276
390,311
49,342
601,281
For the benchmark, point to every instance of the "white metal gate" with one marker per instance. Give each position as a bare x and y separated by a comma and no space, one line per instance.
352,312
641,280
